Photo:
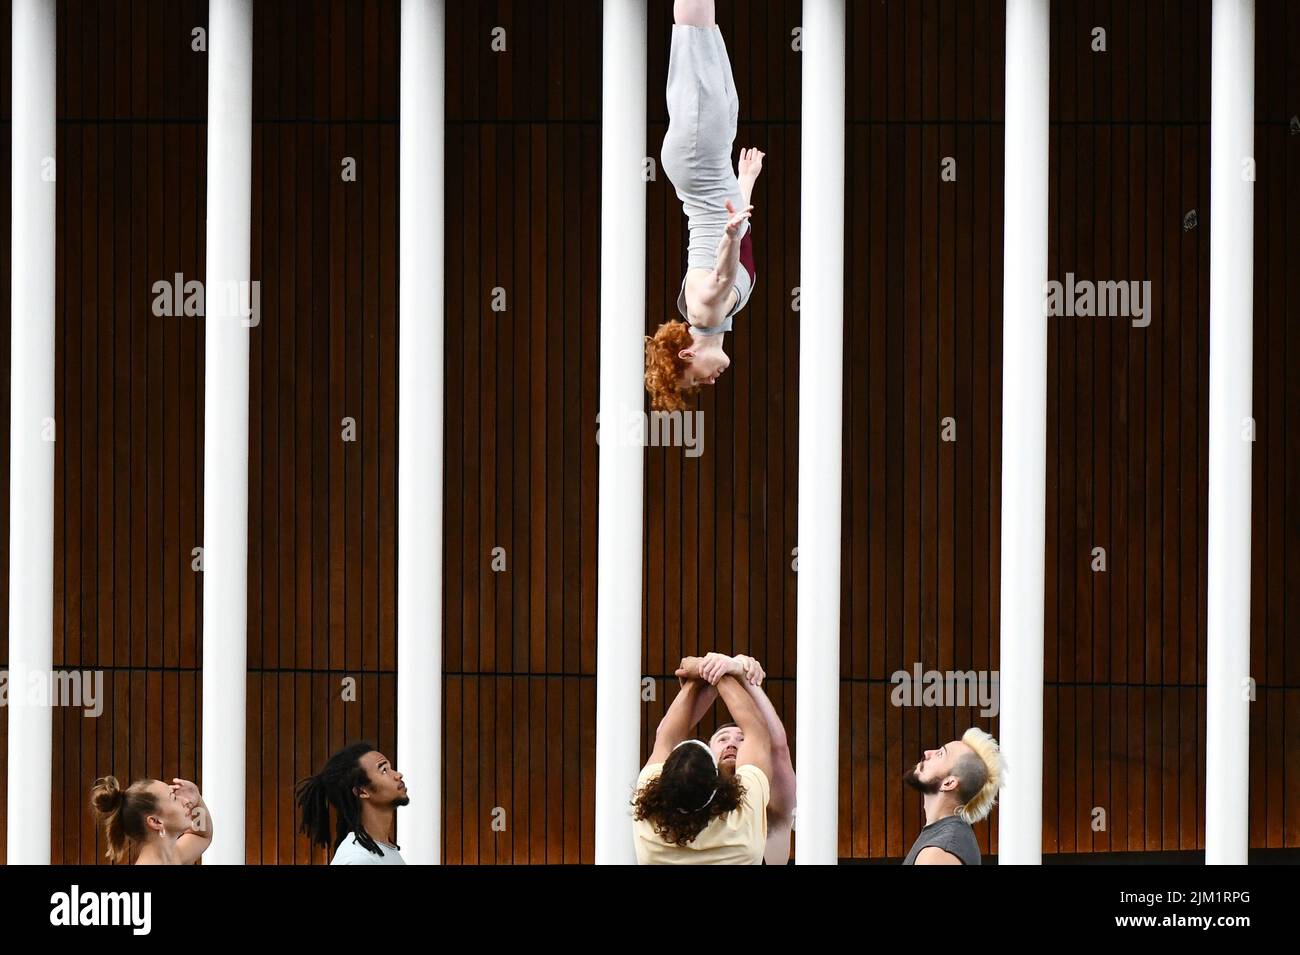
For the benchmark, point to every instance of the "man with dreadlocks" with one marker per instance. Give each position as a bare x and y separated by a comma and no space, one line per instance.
960,782
365,791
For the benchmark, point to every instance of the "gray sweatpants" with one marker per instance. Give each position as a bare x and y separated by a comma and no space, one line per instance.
702,110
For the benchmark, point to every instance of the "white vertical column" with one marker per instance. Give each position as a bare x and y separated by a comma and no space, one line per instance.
1024,432
622,398
421,281
31,428
821,412
1232,252
225,424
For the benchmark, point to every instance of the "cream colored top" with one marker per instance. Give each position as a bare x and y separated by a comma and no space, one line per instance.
738,838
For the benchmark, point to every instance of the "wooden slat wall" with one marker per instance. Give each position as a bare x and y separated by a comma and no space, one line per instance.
322,511
322,496
523,216
128,460
1128,438
922,343
1127,412
1125,698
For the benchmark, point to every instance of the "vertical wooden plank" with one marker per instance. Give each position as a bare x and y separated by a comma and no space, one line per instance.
479,823
571,743
964,555
453,829
945,462
539,772
337,398
556,831
454,588
897,724
505,409
487,357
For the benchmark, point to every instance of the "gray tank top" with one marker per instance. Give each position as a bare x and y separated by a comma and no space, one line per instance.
951,834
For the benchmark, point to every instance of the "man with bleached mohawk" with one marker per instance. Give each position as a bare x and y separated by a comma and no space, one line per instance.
959,782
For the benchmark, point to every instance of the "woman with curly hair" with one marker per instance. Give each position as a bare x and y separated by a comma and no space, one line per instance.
702,109
688,812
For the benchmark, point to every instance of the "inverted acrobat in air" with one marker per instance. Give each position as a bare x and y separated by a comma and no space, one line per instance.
703,108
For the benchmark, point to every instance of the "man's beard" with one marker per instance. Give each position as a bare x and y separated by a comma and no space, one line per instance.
912,779
402,800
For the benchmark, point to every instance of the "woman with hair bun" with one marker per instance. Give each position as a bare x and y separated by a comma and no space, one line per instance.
156,822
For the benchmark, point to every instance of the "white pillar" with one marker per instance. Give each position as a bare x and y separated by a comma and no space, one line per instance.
622,397
1024,432
1232,251
225,424
421,168
31,428
821,412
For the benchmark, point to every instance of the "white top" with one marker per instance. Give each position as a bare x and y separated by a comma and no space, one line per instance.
351,852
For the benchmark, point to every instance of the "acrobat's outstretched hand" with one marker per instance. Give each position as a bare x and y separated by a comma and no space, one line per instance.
736,217
754,673
751,164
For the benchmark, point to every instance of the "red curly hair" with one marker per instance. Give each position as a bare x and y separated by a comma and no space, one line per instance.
665,368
